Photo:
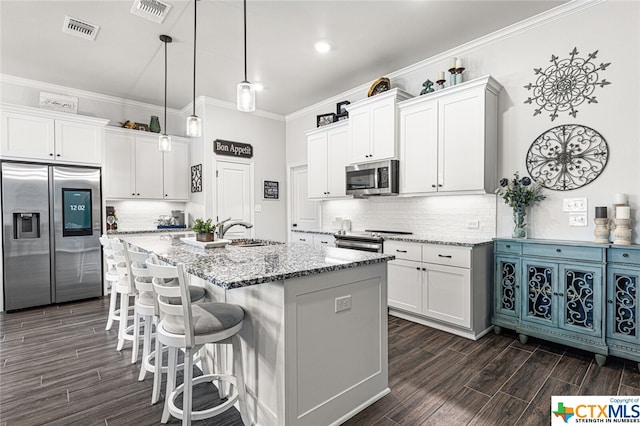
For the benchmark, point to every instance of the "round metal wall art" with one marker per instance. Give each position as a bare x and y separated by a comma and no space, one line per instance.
567,157
566,83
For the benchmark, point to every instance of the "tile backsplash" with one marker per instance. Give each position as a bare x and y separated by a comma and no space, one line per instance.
142,215
435,216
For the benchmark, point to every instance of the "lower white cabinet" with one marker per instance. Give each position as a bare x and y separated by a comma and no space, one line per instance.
311,238
302,237
324,240
442,286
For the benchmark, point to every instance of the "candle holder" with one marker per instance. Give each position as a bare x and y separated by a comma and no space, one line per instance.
459,72
452,77
440,84
602,230
622,232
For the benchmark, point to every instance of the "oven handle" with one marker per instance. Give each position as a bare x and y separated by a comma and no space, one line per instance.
358,245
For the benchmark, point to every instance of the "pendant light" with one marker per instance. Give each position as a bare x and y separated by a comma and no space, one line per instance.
193,121
164,143
246,93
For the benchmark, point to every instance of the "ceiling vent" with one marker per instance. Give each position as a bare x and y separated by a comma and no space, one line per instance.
80,28
153,10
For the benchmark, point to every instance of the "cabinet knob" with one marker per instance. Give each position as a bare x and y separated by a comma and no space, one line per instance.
439,185
328,192
303,239
561,294
609,301
424,269
51,154
166,195
558,250
625,254
517,285
138,194
433,186
57,155
133,193
508,246
417,268
555,294
294,225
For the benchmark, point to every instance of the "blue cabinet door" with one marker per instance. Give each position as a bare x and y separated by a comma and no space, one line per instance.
540,281
508,278
622,304
580,299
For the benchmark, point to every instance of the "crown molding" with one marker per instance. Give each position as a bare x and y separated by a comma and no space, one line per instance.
558,12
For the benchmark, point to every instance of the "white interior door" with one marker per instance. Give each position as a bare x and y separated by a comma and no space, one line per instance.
304,214
234,197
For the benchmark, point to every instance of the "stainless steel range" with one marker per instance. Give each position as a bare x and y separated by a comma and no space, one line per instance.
367,240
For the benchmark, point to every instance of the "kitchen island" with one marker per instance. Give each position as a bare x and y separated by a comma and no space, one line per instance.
315,331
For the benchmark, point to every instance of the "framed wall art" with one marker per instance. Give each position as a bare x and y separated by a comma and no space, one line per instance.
196,178
271,190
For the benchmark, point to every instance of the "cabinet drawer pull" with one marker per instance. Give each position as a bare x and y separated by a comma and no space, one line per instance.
424,269
517,285
558,250
561,294
445,256
303,239
625,254
401,251
508,246
555,294
609,301
324,242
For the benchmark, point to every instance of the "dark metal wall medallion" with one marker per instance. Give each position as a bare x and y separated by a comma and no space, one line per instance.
566,84
567,157
196,178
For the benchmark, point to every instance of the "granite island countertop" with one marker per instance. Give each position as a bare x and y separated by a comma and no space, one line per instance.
233,267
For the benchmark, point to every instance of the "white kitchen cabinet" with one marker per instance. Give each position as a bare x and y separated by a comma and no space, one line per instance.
136,169
40,135
302,237
327,149
373,127
448,140
324,240
442,286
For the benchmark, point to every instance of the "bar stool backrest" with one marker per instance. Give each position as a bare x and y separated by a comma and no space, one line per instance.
140,273
165,278
121,257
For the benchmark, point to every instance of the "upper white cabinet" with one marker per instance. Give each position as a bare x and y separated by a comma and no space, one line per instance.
373,127
135,168
448,140
40,135
327,150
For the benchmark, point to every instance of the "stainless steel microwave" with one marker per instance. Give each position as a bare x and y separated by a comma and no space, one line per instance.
379,178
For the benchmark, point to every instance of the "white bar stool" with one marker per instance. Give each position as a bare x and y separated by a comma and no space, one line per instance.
146,308
191,326
125,288
111,276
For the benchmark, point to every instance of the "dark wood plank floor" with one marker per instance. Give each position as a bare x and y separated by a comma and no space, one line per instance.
59,366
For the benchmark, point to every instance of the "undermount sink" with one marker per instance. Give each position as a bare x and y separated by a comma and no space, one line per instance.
249,243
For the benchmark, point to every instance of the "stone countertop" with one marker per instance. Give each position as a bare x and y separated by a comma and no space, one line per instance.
149,231
316,231
233,267
431,239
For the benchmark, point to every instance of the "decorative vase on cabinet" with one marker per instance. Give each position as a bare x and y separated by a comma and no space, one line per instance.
154,125
519,224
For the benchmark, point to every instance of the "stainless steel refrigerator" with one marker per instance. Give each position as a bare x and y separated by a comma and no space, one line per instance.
51,223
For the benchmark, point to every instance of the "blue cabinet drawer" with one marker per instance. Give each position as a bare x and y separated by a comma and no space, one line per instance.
510,247
623,255
595,254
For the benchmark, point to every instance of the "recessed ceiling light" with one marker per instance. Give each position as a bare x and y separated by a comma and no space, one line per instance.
258,87
322,46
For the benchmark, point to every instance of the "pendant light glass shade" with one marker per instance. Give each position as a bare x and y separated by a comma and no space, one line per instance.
246,97
164,143
194,123
246,93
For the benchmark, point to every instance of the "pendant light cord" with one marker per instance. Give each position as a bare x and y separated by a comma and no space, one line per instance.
195,21
245,40
165,87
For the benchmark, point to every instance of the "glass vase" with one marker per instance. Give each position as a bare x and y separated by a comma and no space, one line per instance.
154,125
519,225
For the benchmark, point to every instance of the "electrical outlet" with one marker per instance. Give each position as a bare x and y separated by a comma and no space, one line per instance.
343,303
579,219
574,205
258,207
473,224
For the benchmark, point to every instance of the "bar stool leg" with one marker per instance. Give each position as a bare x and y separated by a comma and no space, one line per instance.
112,308
188,384
146,344
124,319
171,382
157,373
135,344
239,373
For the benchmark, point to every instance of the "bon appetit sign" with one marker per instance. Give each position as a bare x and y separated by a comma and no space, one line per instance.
233,149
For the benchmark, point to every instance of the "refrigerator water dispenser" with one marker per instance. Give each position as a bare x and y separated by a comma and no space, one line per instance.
26,225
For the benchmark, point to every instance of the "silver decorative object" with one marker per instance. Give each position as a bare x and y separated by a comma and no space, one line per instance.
567,157
566,84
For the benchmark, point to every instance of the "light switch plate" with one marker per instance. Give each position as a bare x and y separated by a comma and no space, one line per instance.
574,205
258,207
578,219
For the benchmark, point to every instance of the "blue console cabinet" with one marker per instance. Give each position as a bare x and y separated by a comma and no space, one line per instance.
553,290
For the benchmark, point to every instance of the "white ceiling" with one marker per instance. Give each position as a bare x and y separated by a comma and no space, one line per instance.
370,39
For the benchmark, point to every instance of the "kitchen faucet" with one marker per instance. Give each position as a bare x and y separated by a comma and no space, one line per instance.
222,228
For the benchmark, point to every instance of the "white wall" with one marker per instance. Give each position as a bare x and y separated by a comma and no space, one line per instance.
510,56
266,132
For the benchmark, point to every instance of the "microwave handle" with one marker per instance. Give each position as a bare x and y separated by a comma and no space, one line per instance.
375,177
